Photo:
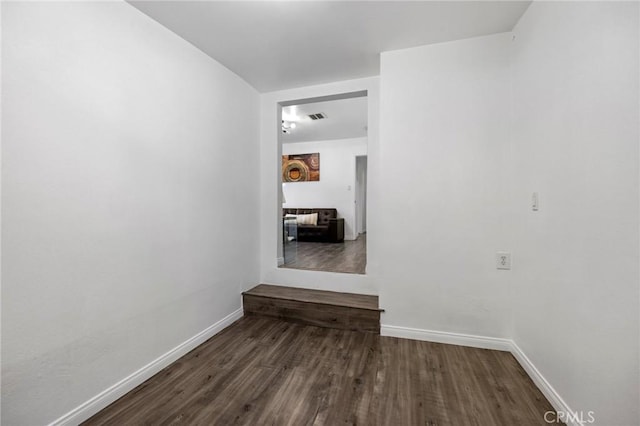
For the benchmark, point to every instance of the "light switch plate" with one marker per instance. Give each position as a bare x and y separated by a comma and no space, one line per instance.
503,260
535,202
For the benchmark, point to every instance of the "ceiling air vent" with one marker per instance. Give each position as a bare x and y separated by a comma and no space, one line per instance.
318,116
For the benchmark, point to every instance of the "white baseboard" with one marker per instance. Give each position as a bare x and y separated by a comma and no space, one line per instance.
448,338
484,342
106,397
545,387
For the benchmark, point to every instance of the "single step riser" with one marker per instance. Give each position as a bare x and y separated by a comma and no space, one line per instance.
317,314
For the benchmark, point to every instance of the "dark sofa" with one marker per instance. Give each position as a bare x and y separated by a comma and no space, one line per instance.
330,228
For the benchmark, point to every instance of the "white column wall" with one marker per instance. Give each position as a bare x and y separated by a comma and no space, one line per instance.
128,199
444,121
575,142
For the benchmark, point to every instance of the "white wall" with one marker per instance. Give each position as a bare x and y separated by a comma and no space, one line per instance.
575,141
336,187
121,199
444,147
468,131
1,133
270,203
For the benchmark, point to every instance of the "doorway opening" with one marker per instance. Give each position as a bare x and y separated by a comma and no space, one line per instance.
324,173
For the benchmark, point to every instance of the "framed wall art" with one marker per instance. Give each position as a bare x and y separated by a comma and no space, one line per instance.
301,167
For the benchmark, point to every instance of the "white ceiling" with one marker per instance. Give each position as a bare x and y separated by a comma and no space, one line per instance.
346,118
277,45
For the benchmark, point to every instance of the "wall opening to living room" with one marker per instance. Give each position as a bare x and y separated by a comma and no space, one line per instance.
323,181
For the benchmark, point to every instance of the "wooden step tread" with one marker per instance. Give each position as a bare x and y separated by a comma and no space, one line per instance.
320,308
348,300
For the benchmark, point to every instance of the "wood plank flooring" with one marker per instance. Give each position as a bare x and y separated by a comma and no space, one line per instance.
321,308
347,257
261,371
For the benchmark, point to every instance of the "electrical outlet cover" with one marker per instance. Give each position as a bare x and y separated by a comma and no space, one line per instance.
503,260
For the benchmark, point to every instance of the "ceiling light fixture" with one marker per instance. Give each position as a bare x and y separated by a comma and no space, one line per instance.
287,127
289,119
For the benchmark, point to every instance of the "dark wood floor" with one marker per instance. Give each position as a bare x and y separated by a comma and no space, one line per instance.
262,371
348,256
